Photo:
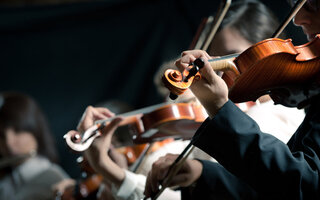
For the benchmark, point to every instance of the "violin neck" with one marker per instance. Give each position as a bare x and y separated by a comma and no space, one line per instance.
223,63
134,113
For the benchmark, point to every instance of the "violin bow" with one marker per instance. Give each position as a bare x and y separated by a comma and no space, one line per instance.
223,8
138,163
201,34
290,16
178,163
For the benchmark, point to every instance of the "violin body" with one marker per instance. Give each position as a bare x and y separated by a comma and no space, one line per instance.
179,120
131,153
273,64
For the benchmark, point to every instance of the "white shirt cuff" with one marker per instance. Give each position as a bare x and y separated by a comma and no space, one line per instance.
130,183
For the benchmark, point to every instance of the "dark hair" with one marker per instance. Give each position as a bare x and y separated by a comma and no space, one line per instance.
254,21
21,113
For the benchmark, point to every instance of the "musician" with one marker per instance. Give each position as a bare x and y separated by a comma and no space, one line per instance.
127,185
245,24
254,165
27,153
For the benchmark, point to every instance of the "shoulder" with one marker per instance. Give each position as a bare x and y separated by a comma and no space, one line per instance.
40,186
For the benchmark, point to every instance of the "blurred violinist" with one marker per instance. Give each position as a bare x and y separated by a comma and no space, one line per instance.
253,164
28,157
105,165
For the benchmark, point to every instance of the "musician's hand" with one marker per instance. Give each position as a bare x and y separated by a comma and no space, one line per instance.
64,189
118,158
189,173
96,154
211,90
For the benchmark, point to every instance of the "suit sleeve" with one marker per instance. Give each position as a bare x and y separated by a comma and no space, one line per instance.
216,182
259,159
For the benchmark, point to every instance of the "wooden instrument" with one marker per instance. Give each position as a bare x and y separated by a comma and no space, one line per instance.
150,124
224,6
270,65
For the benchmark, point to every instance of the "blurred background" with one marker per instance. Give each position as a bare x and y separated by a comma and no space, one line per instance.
69,54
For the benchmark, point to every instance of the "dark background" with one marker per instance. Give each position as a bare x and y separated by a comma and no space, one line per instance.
71,55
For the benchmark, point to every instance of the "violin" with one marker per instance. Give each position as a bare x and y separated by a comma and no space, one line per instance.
132,153
149,124
268,67
85,188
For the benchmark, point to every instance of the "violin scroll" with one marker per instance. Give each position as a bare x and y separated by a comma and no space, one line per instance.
78,142
178,82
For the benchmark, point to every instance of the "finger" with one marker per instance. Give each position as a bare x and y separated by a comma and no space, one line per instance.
147,190
166,165
100,113
196,53
164,168
163,165
112,126
207,73
92,114
180,179
183,64
190,56
159,168
86,120
159,171
105,112
154,181
187,57
171,156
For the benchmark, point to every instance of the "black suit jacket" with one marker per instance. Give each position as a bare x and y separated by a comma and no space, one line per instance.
258,165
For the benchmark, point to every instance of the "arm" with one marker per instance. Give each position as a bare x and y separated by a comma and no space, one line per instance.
211,180
216,182
125,184
261,160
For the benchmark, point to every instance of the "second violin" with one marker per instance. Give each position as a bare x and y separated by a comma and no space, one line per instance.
150,124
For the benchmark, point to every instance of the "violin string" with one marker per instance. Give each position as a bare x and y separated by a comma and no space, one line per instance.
100,124
136,165
135,112
224,57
